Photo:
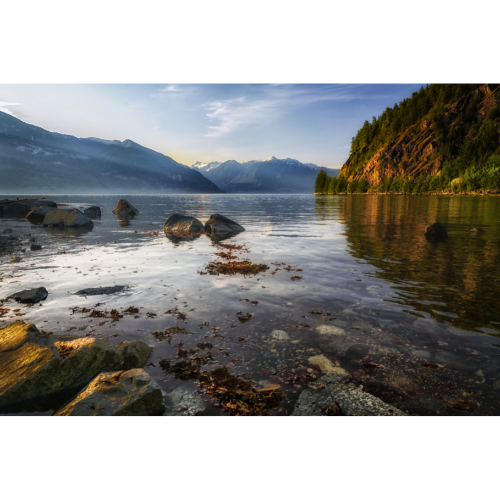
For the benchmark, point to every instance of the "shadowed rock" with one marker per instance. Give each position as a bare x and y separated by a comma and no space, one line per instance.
339,396
476,230
130,393
35,246
105,290
16,210
30,296
182,224
220,227
125,209
93,212
436,231
40,372
66,218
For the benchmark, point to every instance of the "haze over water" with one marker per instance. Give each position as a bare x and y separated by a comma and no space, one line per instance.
415,323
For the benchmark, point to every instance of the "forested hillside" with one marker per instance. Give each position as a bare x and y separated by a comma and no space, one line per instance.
445,136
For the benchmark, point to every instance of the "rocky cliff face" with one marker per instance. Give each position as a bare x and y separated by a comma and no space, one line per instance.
415,152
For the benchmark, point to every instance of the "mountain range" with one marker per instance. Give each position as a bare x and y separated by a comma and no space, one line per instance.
271,175
38,161
34,160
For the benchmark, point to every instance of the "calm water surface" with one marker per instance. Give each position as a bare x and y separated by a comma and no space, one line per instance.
415,323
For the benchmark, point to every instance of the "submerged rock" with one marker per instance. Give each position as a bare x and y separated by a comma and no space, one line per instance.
184,402
326,365
337,395
129,393
280,335
93,212
436,231
30,296
105,290
219,225
41,372
125,209
66,218
330,330
181,224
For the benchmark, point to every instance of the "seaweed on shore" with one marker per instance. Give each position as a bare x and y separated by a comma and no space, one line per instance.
231,268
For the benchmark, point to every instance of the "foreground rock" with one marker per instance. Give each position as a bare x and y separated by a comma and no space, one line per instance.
37,214
93,212
105,290
126,394
40,372
66,218
30,296
35,247
125,209
182,224
436,231
220,226
339,396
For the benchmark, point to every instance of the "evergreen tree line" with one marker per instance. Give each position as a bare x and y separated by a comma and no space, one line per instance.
469,148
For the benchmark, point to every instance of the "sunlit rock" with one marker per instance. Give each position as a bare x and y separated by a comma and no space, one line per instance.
125,209
66,218
129,393
41,371
182,224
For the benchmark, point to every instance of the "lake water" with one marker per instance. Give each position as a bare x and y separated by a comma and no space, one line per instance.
416,323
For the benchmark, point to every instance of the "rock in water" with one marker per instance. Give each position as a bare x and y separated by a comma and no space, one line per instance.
476,230
93,212
38,213
181,224
130,393
66,218
436,231
30,296
40,372
105,290
16,210
125,209
34,247
218,225
339,396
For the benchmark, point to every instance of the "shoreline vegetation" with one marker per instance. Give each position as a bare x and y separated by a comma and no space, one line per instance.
443,140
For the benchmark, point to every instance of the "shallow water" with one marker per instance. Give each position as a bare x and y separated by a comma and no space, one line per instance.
415,323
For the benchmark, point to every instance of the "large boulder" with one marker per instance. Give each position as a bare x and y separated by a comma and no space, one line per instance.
182,224
93,212
436,231
38,213
66,218
31,295
335,394
125,209
219,225
125,394
16,210
40,372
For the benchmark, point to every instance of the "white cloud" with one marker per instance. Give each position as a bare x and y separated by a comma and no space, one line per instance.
171,88
270,103
4,107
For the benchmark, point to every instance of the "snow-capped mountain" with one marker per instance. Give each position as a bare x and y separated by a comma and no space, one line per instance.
205,167
270,175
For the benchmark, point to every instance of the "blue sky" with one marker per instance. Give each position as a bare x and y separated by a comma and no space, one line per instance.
311,123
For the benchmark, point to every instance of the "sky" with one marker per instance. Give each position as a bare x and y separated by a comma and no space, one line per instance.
193,122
